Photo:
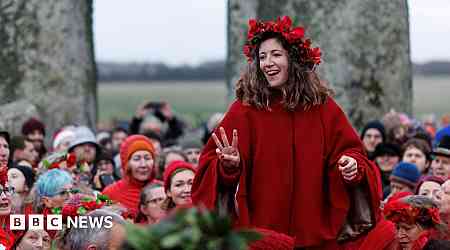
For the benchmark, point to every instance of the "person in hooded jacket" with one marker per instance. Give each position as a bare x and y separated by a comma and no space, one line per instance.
137,156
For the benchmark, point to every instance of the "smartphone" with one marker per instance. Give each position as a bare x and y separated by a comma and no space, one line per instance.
106,179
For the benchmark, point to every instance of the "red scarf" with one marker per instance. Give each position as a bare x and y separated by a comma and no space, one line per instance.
126,192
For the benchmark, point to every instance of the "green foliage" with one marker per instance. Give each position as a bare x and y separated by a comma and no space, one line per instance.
190,229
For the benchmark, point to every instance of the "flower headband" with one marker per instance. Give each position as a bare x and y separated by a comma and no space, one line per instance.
399,211
295,36
59,160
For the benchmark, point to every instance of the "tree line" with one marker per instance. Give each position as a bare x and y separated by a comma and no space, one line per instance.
211,70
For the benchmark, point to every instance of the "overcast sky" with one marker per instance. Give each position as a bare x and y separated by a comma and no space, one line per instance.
195,30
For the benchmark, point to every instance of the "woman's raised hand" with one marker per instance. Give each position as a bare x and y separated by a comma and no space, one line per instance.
228,154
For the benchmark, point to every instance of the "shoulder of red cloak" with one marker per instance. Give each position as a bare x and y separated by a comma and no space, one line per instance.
205,189
341,139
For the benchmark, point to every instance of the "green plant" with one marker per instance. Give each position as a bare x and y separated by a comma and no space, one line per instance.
190,229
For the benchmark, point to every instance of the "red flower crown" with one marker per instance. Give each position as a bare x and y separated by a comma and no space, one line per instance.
398,211
81,205
295,36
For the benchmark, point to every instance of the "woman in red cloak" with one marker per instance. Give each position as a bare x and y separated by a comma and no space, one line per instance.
299,168
137,155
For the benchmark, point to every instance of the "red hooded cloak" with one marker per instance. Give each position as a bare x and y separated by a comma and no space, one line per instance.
288,180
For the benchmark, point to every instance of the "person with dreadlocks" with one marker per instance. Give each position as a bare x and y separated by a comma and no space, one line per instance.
298,167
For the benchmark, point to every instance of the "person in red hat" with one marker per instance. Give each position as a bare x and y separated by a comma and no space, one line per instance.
299,167
416,219
178,179
137,156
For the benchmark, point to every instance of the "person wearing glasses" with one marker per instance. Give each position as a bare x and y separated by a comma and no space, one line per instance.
152,197
52,189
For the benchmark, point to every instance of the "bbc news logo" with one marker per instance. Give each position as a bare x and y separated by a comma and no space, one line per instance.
55,222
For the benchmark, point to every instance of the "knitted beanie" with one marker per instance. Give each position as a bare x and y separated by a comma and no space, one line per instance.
27,173
428,178
132,144
376,125
406,173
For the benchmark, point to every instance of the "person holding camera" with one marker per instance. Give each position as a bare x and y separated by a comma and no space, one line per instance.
157,117
103,171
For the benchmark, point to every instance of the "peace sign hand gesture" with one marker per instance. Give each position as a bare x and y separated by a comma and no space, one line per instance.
228,155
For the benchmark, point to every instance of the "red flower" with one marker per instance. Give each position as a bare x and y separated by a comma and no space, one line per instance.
297,34
90,205
285,23
71,160
253,28
248,52
54,165
315,55
69,210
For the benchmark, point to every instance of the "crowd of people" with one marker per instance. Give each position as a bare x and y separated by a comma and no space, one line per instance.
144,170
146,176
283,159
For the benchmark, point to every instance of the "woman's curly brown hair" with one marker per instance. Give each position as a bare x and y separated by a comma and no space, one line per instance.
302,88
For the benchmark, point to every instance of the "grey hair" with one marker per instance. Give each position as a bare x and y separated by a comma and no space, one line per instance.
81,238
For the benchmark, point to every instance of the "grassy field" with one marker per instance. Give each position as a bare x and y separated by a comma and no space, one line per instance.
196,101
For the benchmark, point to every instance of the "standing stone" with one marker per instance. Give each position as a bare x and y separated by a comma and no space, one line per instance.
364,43
47,66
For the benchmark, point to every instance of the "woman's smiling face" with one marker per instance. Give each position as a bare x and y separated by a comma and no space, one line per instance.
274,62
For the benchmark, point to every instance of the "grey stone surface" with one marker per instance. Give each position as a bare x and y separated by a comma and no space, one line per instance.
365,49
47,66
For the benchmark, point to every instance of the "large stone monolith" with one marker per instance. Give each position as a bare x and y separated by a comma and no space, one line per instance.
47,66
365,46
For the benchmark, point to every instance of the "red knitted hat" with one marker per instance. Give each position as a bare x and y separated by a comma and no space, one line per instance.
132,144
173,168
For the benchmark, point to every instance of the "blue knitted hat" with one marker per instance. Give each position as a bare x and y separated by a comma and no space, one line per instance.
406,173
